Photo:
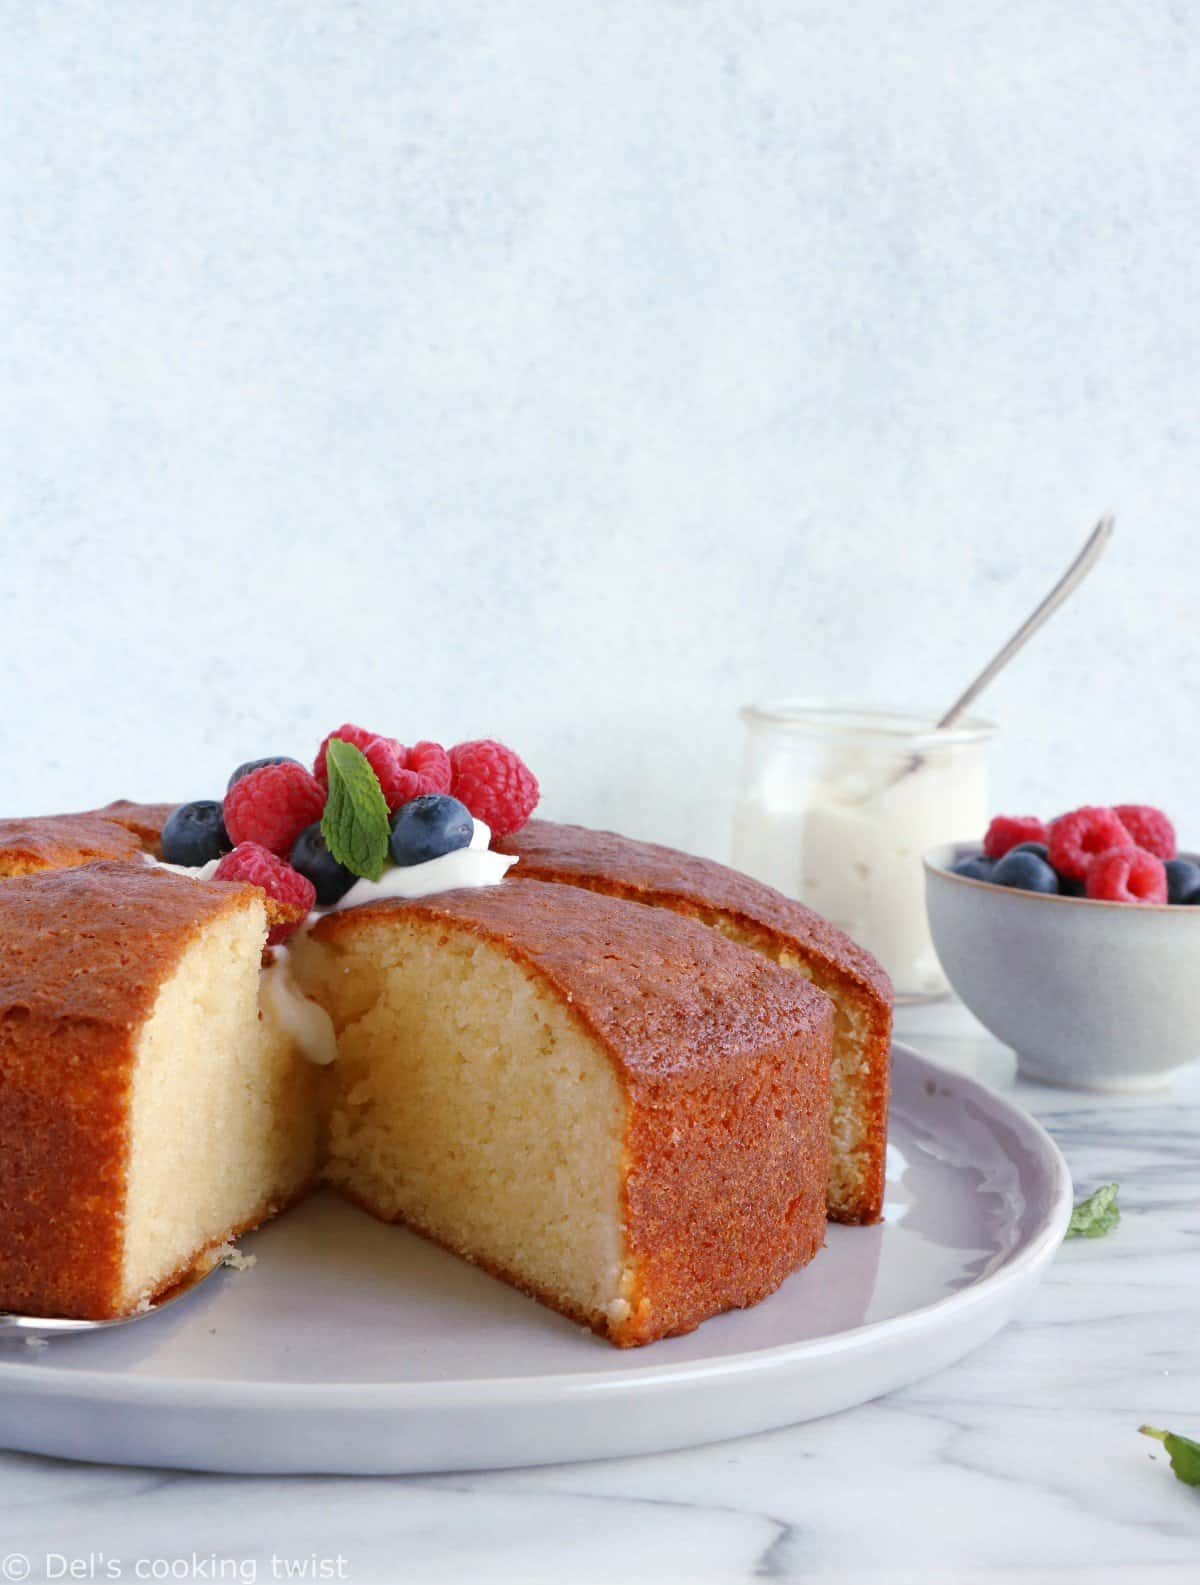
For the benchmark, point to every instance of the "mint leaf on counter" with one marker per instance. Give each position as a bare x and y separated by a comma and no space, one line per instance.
355,822
1184,1453
1096,1215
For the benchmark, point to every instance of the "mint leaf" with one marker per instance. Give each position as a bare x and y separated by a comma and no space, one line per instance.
355,822
1185,1454
1096,1215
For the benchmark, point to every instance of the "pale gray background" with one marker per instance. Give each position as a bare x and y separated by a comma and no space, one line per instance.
576,372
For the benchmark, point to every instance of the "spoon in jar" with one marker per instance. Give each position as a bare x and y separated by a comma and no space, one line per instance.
1096,545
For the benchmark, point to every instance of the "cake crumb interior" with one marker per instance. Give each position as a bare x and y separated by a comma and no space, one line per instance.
223,1115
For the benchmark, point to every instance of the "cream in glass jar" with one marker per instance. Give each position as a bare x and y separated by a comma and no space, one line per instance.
836,807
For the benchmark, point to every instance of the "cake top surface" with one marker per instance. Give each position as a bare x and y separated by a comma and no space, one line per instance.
144,820
646,869
94,944
664,993
52,842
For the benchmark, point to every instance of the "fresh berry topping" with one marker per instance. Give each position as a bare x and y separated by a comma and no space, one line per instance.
1076,838
290,895
1183,881
495,784
1025,872
1127,875
1149,828
1006,831
387,758
425,828
430,764
247,766
1039,848
975,868
312,858
195,834
272,805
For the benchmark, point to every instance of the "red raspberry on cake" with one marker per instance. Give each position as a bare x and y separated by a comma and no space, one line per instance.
1127,875
495,784
1007,831
272,805
1076,838
430,764
291,897
386,757
1149,828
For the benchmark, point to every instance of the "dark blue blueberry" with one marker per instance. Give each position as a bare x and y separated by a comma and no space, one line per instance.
1069,887
425,828
1040,848
312,858
1025,872
257,764
1183,881
975,868
195,833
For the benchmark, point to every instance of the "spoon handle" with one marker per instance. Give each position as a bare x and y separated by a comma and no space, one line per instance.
1087,558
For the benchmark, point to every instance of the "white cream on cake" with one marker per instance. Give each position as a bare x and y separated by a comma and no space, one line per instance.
465,868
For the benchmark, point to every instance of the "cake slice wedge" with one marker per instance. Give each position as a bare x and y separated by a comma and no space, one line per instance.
782,930
147,1113
614,1109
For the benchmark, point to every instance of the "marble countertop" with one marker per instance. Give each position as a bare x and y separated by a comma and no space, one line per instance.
1020,1463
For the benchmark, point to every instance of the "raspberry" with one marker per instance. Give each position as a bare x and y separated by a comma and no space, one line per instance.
495,784
290,895
1076,838
272,805
1127,875
430,763
1149,828
1006,831
386,757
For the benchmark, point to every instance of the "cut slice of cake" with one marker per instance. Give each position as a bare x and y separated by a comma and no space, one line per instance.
618,1111
147,1114
778,928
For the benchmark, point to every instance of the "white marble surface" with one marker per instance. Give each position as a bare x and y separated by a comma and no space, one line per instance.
1022,1463
577,373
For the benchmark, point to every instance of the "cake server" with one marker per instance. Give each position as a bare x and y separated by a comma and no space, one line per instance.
45,1327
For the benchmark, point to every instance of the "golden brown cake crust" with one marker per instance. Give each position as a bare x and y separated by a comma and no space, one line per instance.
724,1061
83,953
144,820
552,851
664,878
59,842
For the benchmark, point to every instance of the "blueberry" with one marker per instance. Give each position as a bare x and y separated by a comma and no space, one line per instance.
257,764
1040,848
312,858
1025,872
1183,881
975,868
195,833
425,828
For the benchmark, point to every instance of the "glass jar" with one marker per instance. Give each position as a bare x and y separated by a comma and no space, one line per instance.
836,806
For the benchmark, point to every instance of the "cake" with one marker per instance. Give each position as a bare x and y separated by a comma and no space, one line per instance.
773,925
57,842
147,1114
630,1082
625,1116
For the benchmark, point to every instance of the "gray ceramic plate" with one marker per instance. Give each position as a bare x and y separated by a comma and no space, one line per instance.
355,1347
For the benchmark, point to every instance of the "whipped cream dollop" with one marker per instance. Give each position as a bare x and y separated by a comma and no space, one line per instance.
468,868
305,1022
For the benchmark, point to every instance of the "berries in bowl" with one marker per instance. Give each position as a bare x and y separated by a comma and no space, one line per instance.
1076,941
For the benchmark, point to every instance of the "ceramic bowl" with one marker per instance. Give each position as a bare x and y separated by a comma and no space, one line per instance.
1093,995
